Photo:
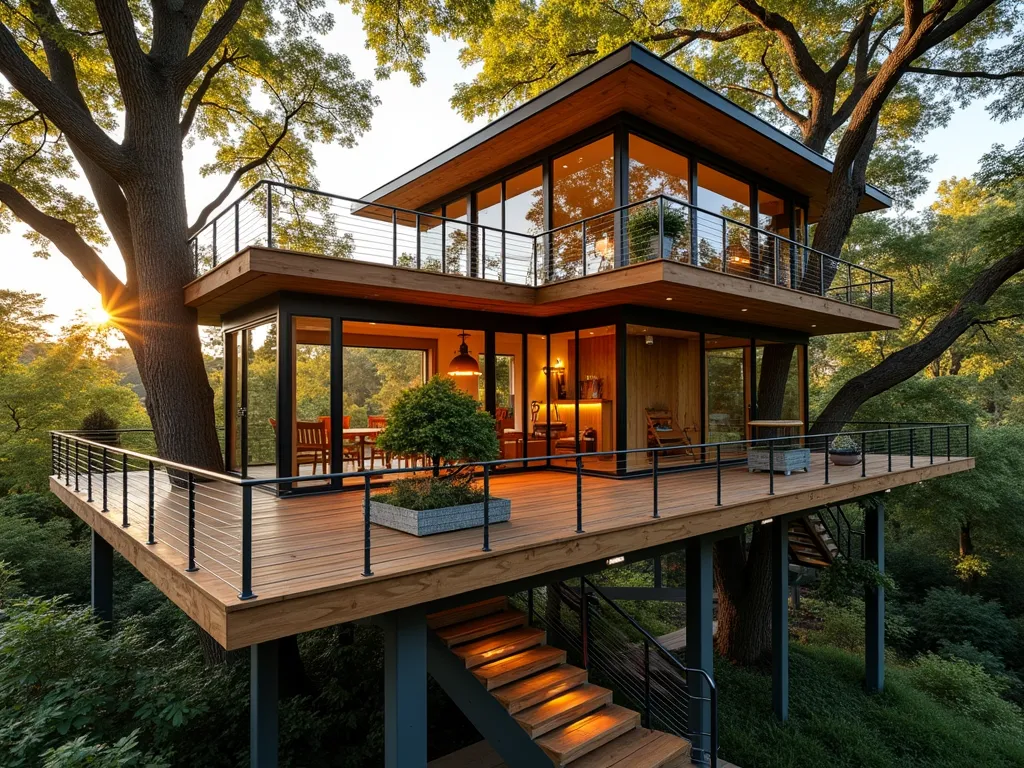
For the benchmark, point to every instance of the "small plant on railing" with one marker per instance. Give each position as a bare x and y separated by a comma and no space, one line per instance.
643,232
444,425
844,450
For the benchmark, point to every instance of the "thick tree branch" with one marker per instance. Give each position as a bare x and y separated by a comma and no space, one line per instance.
858,33
64,235
982,75
253,164
119,30
192,108
687,36
907,362
64,111
187,71
806,67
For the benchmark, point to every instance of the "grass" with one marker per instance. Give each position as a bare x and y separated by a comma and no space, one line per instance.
833,722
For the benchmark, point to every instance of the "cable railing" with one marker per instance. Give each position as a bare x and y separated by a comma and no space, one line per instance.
277,215
208,517
618,652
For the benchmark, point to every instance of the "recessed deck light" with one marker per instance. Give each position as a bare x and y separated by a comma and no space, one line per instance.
668,298
814,325
743,310
615,560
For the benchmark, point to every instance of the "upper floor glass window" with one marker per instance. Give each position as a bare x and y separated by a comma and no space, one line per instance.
524,202
583,182
771,213
723,194
654,170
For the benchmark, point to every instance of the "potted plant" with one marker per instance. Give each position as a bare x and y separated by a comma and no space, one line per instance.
643,232
844,450
439,421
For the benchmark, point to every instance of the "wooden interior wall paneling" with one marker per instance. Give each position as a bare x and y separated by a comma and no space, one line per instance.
596,358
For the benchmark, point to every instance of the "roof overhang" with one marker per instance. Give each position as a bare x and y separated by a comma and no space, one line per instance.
635,81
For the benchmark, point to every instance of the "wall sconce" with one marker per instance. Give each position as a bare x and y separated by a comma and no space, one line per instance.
649,341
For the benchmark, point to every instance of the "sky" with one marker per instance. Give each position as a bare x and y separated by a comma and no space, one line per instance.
411,125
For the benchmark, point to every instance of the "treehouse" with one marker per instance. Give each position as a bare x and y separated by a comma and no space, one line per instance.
619,273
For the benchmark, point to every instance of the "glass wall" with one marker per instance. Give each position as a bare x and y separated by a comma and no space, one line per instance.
728,388
456,240
718,239
537,395
259,403
663,395
311,397
583,185
655,170
487,243
788,403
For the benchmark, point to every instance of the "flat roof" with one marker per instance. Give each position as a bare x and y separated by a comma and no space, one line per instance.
636,81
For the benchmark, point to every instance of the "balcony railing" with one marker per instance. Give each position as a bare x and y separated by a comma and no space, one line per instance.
284,216
207,517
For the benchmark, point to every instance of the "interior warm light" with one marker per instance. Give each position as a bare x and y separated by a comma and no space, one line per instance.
603,246
463,364
668,298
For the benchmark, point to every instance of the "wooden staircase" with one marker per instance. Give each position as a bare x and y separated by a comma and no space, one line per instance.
810,544
571,720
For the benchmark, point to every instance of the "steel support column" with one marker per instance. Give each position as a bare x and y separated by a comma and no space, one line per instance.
102,578
263,695
405,689
780,618
699,637
874,598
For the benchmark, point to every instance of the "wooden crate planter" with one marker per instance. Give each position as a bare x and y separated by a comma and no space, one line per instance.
429,521
786,460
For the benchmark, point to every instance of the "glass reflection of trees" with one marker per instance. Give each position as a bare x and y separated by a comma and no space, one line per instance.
374,377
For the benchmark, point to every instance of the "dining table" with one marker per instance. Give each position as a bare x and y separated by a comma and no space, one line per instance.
362,434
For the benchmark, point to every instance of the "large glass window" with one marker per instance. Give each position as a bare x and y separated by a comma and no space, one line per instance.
583,186
772,404
456,241
654,170
260,409
721,243
728,388
537,396
524,215
311,397
488,236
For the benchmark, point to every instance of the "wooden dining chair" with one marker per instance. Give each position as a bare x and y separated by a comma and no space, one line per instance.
312,444
349,448
377,422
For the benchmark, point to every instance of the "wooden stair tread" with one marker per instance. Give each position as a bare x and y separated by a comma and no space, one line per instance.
563,709
527,692
467,612
572,741
639,748
503,671
491,624
494,647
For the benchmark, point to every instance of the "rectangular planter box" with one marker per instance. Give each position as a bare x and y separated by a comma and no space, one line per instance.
428,521
786,460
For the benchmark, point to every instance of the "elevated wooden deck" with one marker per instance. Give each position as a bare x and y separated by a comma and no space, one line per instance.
308,551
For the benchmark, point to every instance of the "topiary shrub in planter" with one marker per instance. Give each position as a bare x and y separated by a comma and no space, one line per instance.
845,451
439,421
643,232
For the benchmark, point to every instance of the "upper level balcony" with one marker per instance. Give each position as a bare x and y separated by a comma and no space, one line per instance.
279,237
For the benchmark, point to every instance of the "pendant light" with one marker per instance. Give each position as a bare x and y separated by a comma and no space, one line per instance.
463,364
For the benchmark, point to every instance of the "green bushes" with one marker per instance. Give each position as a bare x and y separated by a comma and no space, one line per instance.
969,690
952,616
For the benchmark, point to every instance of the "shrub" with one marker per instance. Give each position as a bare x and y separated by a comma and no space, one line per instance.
427,493
99,421
969,689
643,227
844,444
949,615
844,579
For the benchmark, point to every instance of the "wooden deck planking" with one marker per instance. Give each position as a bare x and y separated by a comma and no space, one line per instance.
307,546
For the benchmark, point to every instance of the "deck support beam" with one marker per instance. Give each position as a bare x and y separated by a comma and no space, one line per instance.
102,578
263,696
874,598
780,617
700,637
405,689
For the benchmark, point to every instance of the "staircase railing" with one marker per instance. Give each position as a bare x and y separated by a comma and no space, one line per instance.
849,541
617,651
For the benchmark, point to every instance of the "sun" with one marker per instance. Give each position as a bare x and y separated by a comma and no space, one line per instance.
96,316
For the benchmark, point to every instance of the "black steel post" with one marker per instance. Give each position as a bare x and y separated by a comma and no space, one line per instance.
931,445
124,490
191,523
246,593
264,676
718,475
911,430
366,526
76,466
888,446
151,508
487,507
270,215
67,462
579,493
394,237
647,683
54,457
828,461
654,478
771,468
104,457
88,473
863,454
949,444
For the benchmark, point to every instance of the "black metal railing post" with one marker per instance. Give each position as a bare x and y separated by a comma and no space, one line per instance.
647,683
191,523
967,439
246,593
931,445
863,454
718,475
394,237
67,462
911,430
661,227
579,494
270,215
654,479
366,526
949,444
54,457
237,235
88,473
487,508
888,446
104,458
151,508
771,468
828,460
584,623
76,465
583,245
124,490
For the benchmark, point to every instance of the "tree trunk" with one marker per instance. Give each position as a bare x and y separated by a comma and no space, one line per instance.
744,598
166,341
